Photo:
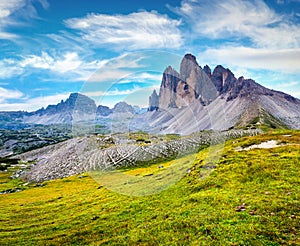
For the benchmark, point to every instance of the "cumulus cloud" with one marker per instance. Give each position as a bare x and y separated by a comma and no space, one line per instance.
68,62
67,66
140,30
235,19
70,66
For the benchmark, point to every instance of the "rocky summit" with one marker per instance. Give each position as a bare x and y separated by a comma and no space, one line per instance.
198,98
181,89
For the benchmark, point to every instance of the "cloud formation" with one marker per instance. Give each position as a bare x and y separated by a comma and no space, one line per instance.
254,21
68,62
285,60
6,94
67,66
140,30
14,12
31,104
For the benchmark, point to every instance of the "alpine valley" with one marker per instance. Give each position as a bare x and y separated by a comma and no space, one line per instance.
189,102
213,160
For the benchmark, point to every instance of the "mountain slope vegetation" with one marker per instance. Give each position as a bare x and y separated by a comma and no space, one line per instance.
250,197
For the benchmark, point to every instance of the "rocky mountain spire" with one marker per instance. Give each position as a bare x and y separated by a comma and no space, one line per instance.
197,79
207,70
223,79
193,83
153,101
187,65
168,88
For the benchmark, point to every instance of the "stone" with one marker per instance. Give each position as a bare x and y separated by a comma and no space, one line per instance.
123,107
153,101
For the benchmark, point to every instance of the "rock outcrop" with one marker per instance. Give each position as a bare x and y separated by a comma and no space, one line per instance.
76,101
76,108
123,107
179,90
153,101
103,110
168,88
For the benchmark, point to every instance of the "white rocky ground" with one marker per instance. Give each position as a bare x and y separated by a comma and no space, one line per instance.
83,154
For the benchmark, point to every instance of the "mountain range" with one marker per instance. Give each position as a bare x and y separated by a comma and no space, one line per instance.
198,98
190,100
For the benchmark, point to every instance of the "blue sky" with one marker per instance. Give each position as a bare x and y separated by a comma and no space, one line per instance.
117,50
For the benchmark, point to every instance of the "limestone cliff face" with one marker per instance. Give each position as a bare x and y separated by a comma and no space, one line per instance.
198,80
168,88
153,101
223,79
180,90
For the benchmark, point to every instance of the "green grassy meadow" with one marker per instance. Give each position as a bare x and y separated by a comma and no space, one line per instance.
247,198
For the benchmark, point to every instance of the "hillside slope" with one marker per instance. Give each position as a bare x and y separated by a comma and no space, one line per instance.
82,154
251,197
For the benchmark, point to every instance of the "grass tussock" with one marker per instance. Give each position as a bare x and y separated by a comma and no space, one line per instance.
240,198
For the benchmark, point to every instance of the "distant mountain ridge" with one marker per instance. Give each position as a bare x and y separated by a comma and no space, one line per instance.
191,100
77,107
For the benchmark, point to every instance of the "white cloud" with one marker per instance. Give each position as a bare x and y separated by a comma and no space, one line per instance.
33,104
8,7
116,68
6,94
9,69
236,19
139,30
68,66
68,62
286,60
14,12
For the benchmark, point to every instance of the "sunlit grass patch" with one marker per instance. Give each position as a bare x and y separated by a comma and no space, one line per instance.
246,198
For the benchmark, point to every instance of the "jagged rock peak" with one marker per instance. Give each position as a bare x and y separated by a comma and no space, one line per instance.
171,71
123,107
219,70
188,64
190,57
154,92
153,101
207,70
103,110
78,97
75,101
